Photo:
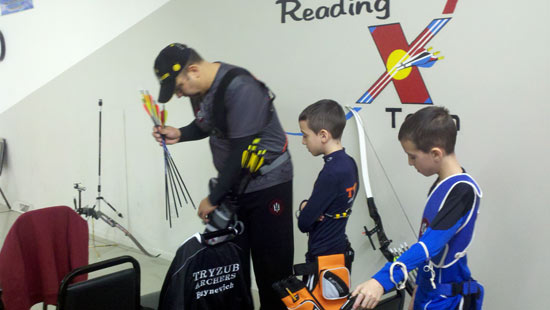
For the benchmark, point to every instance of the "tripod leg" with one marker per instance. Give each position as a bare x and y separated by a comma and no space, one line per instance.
111,206
5,199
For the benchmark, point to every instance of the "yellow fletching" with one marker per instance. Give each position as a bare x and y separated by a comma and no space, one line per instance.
244,158
256,141
252,162
154,108
148,104
260,163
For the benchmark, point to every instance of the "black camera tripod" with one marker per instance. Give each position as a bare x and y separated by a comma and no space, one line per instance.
100,198
96,213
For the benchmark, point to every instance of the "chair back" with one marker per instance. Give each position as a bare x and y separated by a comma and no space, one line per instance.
117,290
41,247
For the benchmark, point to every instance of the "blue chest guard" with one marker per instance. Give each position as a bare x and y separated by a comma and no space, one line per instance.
456,248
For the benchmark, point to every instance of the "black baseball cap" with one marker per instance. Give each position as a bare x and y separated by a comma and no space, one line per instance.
170,61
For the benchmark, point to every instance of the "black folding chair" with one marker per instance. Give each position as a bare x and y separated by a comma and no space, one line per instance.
117,290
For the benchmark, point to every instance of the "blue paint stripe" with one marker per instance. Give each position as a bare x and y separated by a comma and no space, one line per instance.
440,26
349,115
294,133
366,98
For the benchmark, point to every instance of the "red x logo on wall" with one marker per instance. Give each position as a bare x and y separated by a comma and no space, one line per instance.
402,61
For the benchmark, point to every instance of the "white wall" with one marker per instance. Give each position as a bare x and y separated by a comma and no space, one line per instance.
45,41
493,76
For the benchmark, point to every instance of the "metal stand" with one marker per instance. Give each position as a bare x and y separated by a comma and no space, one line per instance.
97,214
2,152
100,198
10,209
5,199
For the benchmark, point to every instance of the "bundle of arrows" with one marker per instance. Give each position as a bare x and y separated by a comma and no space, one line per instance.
174,187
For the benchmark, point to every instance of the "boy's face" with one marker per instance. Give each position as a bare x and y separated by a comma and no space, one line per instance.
426,164
311,140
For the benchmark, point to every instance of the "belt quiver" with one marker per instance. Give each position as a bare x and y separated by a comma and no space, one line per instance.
328,284
295,294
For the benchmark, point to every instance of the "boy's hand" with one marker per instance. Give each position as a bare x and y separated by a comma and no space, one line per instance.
303,205
368,294
171,134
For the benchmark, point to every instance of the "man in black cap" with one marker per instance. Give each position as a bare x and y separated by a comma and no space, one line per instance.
232,108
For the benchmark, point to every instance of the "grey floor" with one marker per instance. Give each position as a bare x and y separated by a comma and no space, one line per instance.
153,270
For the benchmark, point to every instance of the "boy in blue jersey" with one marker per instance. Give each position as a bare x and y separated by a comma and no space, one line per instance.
444,280
325,214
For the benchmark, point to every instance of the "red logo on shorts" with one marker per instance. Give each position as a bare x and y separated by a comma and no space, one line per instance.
276,207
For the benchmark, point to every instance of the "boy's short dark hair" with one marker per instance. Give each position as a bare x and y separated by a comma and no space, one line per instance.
325,114
430,127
